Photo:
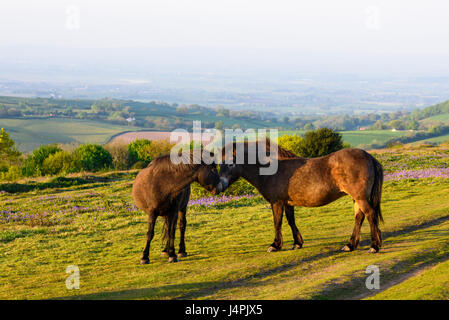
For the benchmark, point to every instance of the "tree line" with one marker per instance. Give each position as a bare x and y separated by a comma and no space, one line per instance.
52,159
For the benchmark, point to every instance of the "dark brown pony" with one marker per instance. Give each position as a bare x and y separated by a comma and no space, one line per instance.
314,182
163,189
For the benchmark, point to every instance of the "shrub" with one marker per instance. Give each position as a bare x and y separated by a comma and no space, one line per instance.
34,162
13,173
61,162
155,149
120,155
320,142
92,157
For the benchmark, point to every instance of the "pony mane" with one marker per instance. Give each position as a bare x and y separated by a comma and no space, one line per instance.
281,152
189,162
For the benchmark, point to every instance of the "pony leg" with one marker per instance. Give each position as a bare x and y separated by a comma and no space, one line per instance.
355,237
150,234
297,238
182,228
173,219
278,210
165,251
373,219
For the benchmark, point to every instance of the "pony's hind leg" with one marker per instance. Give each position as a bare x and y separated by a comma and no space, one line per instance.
373,219
171,229
165,251
150,234
297,238
355,237
182,230
278,211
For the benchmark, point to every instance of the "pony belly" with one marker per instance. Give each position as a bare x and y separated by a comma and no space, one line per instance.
315,199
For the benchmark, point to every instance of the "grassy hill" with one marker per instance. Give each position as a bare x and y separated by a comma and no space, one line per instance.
91,223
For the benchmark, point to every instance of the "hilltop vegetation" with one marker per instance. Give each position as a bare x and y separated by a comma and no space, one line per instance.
37,121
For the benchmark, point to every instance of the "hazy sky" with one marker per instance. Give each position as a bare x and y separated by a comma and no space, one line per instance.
414,33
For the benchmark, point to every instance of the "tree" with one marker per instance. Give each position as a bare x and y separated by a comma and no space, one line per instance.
8,151
308,126
378,125
413,125
320,142
9,155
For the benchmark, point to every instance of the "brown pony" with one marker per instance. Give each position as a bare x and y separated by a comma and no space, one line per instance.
163,189
313,182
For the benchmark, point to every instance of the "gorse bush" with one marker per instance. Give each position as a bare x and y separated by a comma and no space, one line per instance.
143,151
92,157
292,143
61,162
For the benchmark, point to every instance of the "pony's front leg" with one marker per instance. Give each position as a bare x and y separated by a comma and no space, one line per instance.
278,211
182,230
150,234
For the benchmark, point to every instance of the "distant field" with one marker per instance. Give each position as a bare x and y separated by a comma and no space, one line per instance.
357,138
31,133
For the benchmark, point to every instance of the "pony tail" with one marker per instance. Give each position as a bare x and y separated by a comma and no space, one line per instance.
376,192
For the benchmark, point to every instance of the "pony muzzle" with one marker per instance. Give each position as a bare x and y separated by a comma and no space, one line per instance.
222,185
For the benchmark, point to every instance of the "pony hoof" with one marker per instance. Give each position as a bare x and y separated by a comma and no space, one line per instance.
346,248
164,254
172,259
272,249
144,261
182,254
373,250
296,247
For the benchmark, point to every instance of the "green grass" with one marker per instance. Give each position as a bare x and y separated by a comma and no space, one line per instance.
441,117
31,133
227,245
432,283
